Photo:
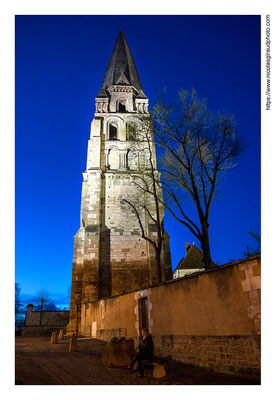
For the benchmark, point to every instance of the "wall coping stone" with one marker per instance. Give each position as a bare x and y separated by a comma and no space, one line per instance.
44,311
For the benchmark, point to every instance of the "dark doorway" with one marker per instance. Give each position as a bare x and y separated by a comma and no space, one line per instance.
143,314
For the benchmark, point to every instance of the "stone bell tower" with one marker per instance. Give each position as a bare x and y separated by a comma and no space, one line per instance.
110,256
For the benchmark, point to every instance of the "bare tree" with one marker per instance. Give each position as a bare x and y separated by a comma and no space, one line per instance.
253,251
198,148
17,297
147,203
17,303
42,297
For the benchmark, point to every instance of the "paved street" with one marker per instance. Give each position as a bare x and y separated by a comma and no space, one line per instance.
37,362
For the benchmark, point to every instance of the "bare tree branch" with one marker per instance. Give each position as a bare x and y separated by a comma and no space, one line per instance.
199,148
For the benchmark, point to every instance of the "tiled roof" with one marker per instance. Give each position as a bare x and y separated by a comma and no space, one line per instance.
192,260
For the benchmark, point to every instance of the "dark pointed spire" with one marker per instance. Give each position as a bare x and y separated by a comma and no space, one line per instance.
121,69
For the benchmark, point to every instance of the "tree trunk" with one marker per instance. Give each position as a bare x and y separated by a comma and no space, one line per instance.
41,309
205,245
158,265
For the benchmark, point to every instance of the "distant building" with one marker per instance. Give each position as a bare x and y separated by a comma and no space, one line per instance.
192,262
39,323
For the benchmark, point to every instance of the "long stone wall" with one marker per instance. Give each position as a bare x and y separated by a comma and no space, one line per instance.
211,319
48,318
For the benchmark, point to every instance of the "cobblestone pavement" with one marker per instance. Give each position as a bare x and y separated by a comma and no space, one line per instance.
37,362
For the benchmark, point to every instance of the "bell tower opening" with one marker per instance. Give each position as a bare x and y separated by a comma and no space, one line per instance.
121,107
112,132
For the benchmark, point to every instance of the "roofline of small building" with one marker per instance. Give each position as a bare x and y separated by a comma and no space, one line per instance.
178,265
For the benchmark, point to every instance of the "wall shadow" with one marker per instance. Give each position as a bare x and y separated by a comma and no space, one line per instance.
105,277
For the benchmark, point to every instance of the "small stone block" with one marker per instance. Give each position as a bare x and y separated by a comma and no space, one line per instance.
257,322
117,354
54,338
255,282
61,335
73,344
246,285
254,298
159,371
247,265
249,273
253,311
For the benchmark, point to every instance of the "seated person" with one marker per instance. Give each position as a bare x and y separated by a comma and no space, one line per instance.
143,352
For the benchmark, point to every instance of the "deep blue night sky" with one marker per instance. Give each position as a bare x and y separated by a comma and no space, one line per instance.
60,65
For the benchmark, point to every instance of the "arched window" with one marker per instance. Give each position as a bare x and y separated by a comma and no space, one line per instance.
112,160
121,107
131,131
112,132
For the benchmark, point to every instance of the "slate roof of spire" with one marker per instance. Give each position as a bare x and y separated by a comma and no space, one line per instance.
121,69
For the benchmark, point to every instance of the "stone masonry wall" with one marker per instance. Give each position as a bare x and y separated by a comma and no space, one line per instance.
210,318
49,320
237,354
108,334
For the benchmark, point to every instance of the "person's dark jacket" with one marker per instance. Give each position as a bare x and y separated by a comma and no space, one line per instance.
146,347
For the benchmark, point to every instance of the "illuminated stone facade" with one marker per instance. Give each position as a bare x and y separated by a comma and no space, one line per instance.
110,256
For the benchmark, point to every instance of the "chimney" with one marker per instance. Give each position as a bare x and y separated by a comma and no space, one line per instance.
28,318
30,307
188,246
